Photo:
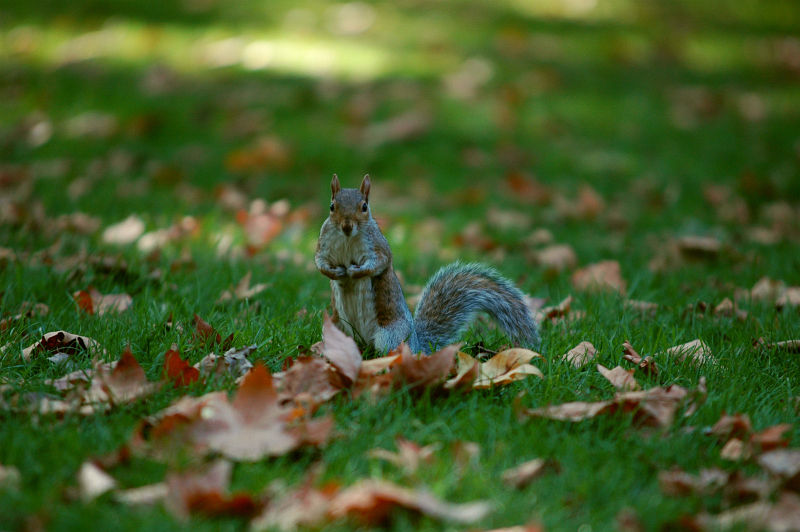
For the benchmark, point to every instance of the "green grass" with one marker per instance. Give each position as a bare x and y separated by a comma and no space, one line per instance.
573,98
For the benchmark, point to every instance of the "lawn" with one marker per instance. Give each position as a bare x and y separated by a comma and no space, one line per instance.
167,150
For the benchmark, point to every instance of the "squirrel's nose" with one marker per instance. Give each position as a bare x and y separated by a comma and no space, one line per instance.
347,229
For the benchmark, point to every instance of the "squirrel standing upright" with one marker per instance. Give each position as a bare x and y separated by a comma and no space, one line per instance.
368,301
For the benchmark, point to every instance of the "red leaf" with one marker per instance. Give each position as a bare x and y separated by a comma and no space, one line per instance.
178,370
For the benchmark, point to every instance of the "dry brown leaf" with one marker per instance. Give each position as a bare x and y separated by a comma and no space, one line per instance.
788,346
233,362
397,128
580,355
557,257
621,378
304,507
789,298
696,351
424,371
784,464
732,426
782,516
647,365
341,351
9,476
205,333
373,501
654,407
467,371
307,381
125,232
93,481
204,492
243,290
520,476
735,450
60,342
508,366
767,290
409,455
93,302
681,483
699,247
145,495
557,313
251,426
771,437
124,383
605,275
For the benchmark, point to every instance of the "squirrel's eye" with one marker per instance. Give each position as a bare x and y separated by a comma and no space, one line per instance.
331,206
364,207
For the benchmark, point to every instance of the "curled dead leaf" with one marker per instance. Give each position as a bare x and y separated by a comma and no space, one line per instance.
604,275
621,378
580,355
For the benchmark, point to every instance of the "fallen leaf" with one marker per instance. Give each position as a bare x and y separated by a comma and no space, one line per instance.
409,455
699,247
605,275
468,369
204,493
251,426
124,383
580,355
304,507
308,380
145,495
621,378
93,302
696,351
628,521
557,257
562,312
124,232
784,464
243,290
520,476
178,370
233,362
732,426
9,477
372,502
341,351
782,516
788,346
507,366
735,450
205,333
398,128
424,371
60,342
93,481
647,365
654,407
680,483
771,437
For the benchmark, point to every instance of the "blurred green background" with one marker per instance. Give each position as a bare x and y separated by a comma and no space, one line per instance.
512,112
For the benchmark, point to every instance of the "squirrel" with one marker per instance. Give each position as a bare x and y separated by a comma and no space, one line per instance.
367,298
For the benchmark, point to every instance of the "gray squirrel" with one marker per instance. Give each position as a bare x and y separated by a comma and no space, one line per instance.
367,299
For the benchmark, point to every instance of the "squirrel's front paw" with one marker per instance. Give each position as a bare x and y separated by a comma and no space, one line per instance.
340,272
353,270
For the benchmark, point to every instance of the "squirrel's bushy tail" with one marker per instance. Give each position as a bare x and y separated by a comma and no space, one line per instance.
456,293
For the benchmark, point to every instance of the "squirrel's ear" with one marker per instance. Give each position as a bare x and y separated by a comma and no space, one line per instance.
335,186
365,184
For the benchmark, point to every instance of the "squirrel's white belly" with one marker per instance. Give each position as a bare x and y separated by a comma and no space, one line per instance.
356,307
